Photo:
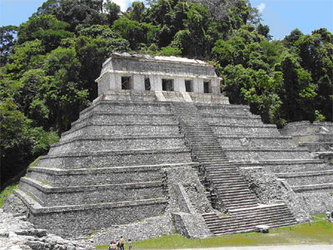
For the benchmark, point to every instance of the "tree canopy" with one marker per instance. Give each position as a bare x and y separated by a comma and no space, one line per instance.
49,63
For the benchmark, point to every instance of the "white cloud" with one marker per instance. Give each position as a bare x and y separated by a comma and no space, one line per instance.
121,3
124,4
261,7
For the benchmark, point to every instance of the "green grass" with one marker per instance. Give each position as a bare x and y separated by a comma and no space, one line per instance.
34,163
6,191
317,232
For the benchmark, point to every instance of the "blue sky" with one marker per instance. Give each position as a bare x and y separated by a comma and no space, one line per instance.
282,16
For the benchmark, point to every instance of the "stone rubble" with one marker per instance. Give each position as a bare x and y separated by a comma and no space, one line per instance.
269,189
16,233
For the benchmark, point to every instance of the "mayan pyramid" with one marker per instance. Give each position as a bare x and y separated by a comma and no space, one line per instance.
161,139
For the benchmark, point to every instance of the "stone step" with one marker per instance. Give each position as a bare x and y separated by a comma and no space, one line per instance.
305,174
233,121
317,146
260,208
233,190
233,201
309,177
324,187
305,127
223,175
212,160
211,164
234,204
207,149
250,226
86,218
197,136
213,150
116,117
243,196
315,137
115,158
122,130
247,219
221,165
106,175
200,144
252,154
217,170
211,157
221,168
264,130
222,182
236,192
204,144
208,152
219,161
90,194
95,143
127,107
255,141
230,222
232,185
249,229
224,110
241,205
286,165
239,118
237,202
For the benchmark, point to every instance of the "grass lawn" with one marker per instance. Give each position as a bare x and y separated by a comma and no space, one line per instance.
6,191
317,232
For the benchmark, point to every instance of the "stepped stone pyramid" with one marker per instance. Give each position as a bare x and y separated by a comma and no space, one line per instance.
314,185
316,137
161,139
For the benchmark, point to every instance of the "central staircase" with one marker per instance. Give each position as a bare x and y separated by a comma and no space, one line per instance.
228,190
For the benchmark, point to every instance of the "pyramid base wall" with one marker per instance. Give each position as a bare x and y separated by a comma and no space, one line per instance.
85,219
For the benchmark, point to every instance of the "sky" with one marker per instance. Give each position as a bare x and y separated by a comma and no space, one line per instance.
282,16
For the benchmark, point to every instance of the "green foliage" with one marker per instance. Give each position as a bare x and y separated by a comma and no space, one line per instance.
42,140
8,190
45,28
75,12
7,41
112,11
14,126
135,32
170,51
319,116
34,163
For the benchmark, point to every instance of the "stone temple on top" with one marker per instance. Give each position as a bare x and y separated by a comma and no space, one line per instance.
161,151
169,78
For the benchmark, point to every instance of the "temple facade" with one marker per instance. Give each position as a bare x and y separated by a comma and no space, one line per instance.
123,71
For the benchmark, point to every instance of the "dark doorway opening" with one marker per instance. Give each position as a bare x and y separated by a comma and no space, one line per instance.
167,85
189,86
147,84
207,88
125,82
